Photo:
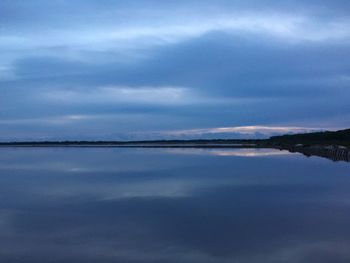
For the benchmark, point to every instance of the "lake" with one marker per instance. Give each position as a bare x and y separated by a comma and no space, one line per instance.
172,205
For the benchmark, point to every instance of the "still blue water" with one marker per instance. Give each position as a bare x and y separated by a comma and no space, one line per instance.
172,205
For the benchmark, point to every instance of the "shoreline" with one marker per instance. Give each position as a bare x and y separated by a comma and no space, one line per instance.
334,145
331,152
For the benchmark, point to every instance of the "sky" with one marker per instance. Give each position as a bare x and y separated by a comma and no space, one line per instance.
152,69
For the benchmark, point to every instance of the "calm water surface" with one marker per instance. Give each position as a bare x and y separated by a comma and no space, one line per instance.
180,205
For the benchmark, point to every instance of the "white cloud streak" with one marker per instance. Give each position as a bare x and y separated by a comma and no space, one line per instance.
285,27
249,130
122,95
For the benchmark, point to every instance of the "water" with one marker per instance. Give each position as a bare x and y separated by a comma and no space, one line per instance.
172,205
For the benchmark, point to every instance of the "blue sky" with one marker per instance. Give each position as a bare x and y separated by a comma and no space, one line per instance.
144,69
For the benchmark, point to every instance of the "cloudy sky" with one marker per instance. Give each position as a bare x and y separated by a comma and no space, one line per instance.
103,69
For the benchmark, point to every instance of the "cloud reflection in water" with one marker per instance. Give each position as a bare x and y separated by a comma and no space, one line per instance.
157,206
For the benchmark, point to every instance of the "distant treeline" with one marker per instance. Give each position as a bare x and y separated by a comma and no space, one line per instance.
341,137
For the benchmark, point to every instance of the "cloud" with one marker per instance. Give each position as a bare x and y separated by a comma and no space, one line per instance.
195,63
238,132
132,36
124,95
247,130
